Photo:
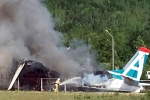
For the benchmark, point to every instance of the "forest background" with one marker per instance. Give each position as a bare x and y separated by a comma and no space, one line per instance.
127,20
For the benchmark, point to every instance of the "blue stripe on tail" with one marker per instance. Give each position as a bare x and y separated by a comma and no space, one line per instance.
145,59
132,73
136,64
118,72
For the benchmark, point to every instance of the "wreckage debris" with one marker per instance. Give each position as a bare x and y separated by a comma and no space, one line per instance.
100,72
31,74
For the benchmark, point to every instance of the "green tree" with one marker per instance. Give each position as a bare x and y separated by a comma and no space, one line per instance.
127,20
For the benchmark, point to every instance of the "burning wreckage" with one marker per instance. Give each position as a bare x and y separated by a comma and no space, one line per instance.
126,79
29,74
88,82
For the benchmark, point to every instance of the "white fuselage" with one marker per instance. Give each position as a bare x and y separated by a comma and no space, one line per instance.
120,85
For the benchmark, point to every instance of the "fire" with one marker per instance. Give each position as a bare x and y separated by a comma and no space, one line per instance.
31,74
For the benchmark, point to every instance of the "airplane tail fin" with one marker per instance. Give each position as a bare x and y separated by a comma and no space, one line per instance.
133,69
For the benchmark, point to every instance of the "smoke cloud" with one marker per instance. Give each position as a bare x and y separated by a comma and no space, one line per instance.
27,32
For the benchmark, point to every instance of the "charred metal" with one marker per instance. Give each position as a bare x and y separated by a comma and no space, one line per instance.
31,74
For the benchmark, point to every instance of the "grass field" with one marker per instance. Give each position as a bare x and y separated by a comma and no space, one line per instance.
26,95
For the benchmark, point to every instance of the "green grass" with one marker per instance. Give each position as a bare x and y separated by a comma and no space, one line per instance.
26,95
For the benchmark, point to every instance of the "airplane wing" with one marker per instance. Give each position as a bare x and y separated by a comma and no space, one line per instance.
144,84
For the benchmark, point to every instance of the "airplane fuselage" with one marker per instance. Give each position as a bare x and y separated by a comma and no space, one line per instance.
120,85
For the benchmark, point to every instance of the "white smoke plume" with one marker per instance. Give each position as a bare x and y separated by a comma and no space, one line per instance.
92,79
27,32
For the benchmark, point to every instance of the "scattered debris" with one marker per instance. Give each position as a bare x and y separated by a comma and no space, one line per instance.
31,74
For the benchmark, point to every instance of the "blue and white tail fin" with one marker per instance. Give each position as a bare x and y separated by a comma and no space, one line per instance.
134,68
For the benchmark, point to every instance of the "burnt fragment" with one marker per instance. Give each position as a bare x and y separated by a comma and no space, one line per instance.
31,74
102,73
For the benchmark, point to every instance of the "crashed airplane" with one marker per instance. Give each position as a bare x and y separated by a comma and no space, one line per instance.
124,80
127,79
29,73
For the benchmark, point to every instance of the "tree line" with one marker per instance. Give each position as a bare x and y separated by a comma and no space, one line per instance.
127,20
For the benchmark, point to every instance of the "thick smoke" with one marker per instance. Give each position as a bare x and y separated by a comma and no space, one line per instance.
27,32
